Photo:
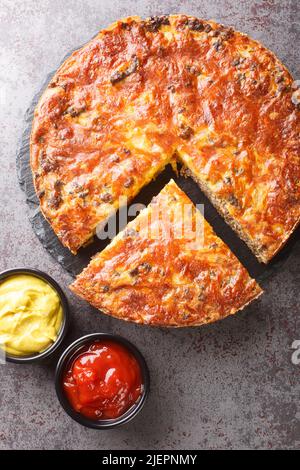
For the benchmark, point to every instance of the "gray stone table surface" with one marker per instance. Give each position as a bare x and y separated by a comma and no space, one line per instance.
228,385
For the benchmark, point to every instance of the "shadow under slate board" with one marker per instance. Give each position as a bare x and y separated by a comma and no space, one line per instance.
74,264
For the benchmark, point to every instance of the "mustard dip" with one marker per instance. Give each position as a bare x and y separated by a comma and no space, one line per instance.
30,315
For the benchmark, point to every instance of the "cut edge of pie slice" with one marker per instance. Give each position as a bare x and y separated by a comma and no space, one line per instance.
154,273
220,205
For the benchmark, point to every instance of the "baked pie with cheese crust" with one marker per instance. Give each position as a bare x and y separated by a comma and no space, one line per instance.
144,93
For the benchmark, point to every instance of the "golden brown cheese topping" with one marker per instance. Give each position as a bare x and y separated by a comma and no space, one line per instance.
119,109
154,273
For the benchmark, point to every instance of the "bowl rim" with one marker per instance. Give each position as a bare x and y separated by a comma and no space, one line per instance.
65,321
66,358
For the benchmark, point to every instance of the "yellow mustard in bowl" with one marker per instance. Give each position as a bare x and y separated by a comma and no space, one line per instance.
31,315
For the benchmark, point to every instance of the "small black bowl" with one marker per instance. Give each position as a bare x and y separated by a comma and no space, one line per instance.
69,355
65,321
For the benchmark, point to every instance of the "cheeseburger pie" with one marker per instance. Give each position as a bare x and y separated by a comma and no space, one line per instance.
144,93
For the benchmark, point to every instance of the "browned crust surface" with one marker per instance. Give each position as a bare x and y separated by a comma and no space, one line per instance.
118,108
160,278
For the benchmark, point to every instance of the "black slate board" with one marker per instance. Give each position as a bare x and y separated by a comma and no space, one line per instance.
74,264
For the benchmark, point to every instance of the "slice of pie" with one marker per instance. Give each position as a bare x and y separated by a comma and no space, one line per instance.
167,268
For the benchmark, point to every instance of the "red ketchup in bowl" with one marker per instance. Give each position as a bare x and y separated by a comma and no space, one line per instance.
103,381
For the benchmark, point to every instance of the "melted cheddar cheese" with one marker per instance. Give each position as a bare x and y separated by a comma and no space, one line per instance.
119,109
